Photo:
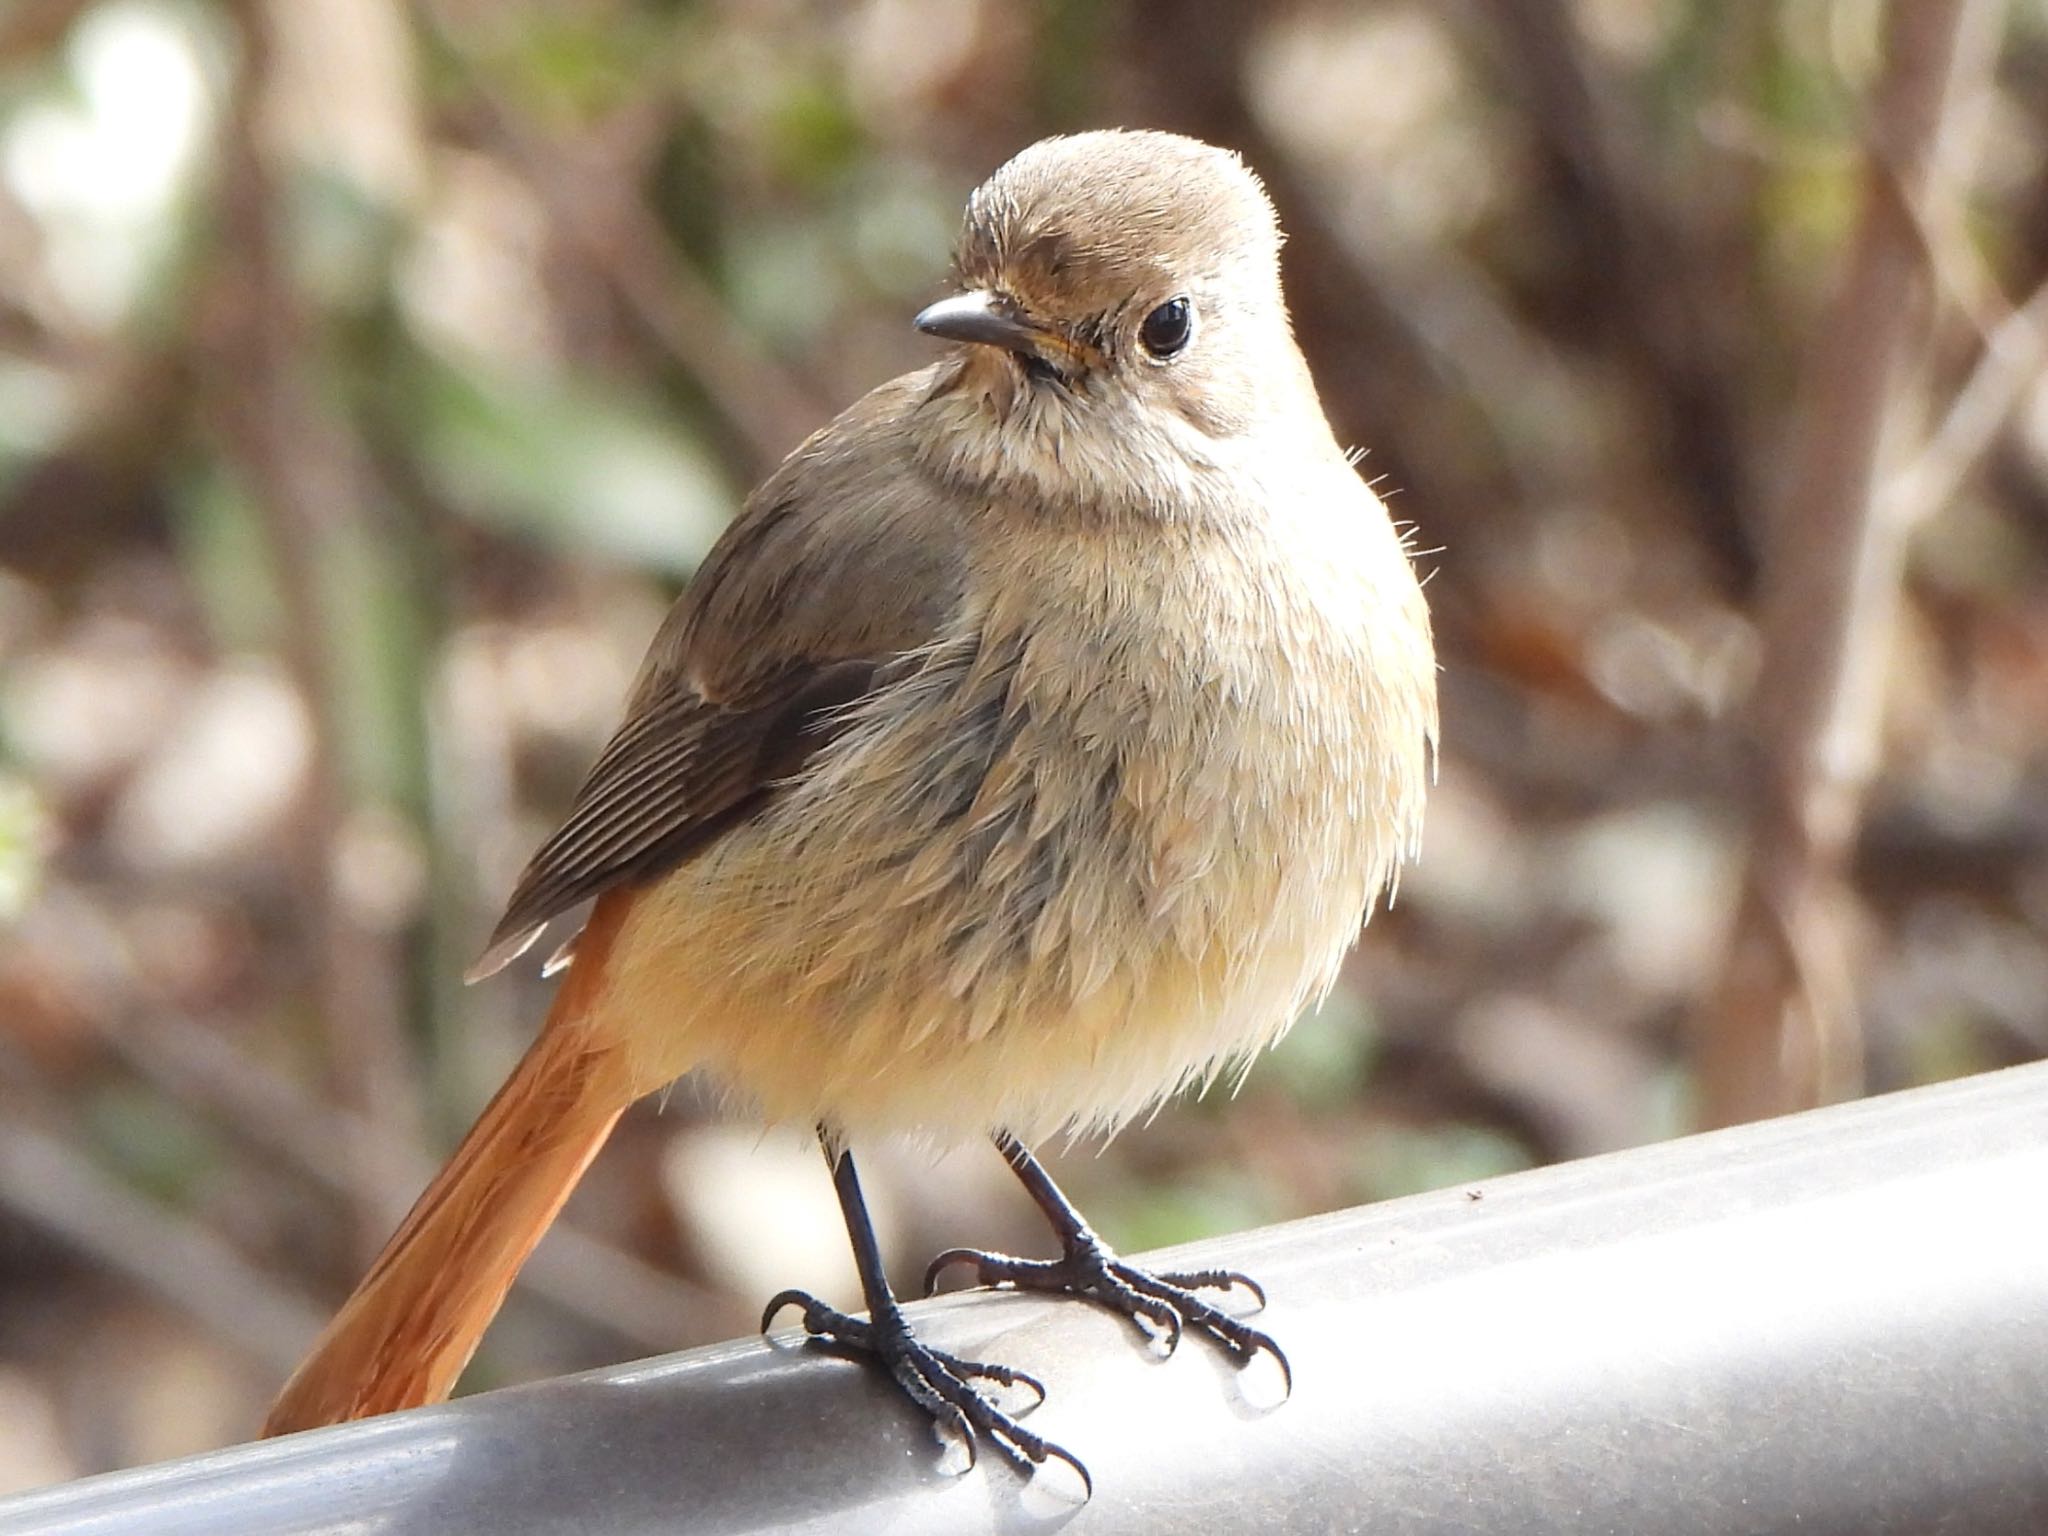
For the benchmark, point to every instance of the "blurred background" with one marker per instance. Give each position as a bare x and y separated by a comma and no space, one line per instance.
373,373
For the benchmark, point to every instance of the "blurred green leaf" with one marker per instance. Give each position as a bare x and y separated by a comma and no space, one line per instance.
785,280
1326,1058
814,134
575,61
1075,39
343,239
1406,1160
22,829
575,464
35,408
1947,1045
380,638
224,555
1200,1203
902,232
152,1141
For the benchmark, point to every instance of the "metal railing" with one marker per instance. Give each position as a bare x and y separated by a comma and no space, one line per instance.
1832,1323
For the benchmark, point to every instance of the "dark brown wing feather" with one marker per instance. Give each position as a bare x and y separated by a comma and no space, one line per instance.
847,558
677,775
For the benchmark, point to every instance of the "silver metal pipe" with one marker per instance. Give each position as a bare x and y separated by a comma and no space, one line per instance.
1834,1324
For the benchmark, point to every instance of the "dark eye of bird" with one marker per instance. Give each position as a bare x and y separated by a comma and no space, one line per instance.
1167,328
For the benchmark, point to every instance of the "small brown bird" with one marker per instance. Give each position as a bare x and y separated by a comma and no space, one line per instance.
1033,745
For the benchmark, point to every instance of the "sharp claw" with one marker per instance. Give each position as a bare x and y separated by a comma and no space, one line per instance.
1027,1453
1158,1318
1160,1305
1248,1343
1225,1280
944,1261
783,1299
1286,1368
1002,1375
1087,1483
1015,1378
1172,1330
965,1430
1228,1280
940,1384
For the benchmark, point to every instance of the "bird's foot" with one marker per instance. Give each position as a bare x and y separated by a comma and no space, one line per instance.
1164,1306
939,1383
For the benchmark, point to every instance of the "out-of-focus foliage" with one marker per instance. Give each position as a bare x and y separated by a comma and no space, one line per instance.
372,372
20,856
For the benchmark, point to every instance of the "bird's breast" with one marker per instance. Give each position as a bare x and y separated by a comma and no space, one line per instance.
1117,827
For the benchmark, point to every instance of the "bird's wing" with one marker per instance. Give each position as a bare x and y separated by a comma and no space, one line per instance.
673,778
843,562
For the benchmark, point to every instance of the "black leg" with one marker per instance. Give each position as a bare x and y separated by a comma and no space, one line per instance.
939,1383
1164,1305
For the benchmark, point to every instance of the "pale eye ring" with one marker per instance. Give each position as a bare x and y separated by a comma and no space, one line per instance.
1167,329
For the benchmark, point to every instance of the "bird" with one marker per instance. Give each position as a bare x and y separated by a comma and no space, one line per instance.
1031,747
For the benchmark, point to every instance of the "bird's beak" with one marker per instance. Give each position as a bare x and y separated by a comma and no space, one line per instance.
987,320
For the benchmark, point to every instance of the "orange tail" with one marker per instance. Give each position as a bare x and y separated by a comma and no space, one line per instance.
407,1332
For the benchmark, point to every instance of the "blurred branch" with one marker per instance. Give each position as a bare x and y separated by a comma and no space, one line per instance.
307,478
1631,261
2014,354
46,1180
1778,1029
596,1282
767,405
1963,276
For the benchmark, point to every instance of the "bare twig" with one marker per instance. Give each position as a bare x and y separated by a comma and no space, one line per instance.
1779,1029
1963,276
2015,352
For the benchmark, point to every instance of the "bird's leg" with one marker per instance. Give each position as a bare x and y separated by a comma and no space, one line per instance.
1163,1305
939,1383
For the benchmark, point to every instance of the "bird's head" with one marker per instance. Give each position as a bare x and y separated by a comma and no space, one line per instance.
1122,284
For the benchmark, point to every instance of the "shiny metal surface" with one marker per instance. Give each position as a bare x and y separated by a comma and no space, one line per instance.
1834,1323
